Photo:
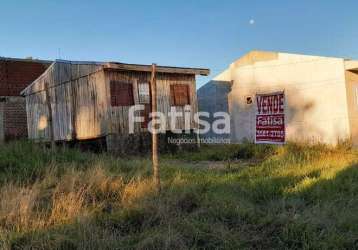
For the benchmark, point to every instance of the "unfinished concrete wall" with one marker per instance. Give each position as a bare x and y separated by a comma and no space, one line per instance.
352,102
213,97
315,94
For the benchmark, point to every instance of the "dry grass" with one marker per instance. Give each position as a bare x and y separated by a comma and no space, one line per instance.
63,194
296,196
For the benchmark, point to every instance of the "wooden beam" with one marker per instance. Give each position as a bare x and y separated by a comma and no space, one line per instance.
159,69
155,162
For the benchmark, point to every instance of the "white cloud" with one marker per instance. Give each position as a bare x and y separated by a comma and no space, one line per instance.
252,21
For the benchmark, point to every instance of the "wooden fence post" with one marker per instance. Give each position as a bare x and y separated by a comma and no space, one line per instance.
155,163
50,120
74,111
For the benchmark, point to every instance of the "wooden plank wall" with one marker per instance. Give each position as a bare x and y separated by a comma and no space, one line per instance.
80,101
36,108
118,116
91,106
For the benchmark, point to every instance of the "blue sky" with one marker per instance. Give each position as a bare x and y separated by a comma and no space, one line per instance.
179,33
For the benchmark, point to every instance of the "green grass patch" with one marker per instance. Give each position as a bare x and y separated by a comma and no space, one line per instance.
226,152
271,197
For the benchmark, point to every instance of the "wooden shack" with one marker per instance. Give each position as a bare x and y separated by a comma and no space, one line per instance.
90,100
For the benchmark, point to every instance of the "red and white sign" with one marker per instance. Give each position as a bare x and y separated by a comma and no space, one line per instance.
270,118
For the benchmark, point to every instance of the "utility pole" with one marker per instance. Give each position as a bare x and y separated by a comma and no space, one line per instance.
156,177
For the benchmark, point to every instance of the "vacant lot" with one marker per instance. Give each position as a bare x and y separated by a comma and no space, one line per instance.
226,197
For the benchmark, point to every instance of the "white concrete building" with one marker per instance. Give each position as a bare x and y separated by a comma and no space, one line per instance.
320,96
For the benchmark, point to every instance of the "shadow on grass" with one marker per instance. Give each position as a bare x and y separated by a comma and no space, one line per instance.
211,214
251,208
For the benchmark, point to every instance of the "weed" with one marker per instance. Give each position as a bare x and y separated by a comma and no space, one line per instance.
294,196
